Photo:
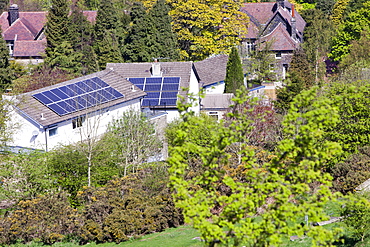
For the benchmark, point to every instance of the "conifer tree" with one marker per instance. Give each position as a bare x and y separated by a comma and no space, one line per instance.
107,39
234,72
165,38
5,79
57,24
82,38
141,42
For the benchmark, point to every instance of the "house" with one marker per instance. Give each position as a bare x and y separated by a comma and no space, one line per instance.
164,82
24,33
71,111
276,26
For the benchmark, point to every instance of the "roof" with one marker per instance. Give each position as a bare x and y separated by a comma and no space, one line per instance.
168,69
29,27
212,70
266,18
280,39
217,101
33,109
28,48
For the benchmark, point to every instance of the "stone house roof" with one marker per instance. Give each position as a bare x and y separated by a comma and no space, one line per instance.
19,28
33,109
212,70
217,101
275,21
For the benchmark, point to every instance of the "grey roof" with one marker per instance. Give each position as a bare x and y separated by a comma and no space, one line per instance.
33,109
217,101
212,70
168,69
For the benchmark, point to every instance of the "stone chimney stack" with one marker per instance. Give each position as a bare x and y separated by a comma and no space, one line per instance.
293,23
280,3
13,13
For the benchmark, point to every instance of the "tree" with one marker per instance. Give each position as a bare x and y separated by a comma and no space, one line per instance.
57,26
255,211
107,35
5,78
165,38
132,140
207,27
234,73
141,45
82,33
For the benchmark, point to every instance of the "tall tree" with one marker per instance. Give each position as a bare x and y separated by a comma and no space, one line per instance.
206,27
57,25
165,38
234,72
141,44
5,77
107,35
82,33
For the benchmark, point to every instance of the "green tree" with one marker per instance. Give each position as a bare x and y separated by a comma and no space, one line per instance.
132,140
107,35
64,57
57,26
82,33
165,38
207,27
234,73
255,211
5,78
141,44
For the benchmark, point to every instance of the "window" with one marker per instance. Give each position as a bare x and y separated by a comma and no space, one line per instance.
213,114
53,131
278,55
77,122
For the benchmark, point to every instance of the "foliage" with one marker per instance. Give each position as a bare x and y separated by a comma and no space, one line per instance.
352,172
356,215
277,192
208,27
353,129
338,11
318,34
108,35
130,206
47,218
234,72
132,140
326,6
350,30
300,77
5,78
24,176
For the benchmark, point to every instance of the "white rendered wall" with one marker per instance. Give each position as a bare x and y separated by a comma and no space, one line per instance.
94,125
194,90
218,88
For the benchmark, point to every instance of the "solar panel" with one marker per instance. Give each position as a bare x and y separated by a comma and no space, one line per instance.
153,95
168,102
152,87
78,96
149,102
169,95
170,87
154,80
171,80
137,80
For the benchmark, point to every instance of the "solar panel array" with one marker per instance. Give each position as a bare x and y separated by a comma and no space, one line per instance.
161,91
78,96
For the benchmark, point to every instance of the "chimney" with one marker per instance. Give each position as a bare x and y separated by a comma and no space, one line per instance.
156,69
280,3
13,13
293,24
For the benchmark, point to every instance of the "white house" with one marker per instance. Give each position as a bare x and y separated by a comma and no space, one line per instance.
164,82
72,111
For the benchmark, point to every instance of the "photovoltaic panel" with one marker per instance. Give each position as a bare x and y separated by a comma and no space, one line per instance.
78,96
152,87
150,102
153,95
170,87
137,80
171,80
169,95
154,80
168,102
141,86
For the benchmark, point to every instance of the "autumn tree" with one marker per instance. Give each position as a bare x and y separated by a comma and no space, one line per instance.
207,27
255,212
234,72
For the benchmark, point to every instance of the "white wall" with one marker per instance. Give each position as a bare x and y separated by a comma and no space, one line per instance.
193,89
218,88
30,135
